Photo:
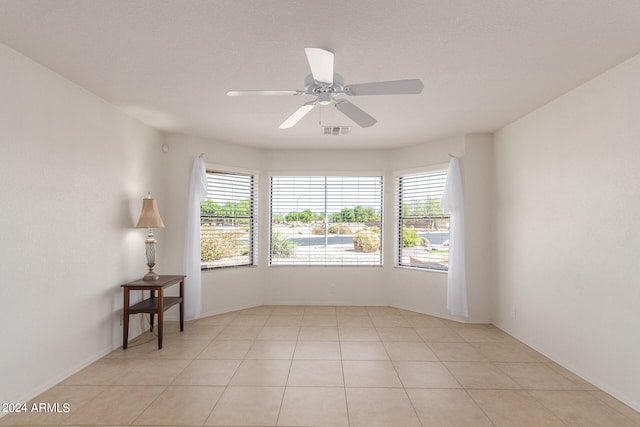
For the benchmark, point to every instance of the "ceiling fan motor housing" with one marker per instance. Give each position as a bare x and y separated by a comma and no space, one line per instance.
324,90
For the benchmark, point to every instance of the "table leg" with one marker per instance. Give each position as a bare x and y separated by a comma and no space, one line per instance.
151,315
125,320
160,317
182,305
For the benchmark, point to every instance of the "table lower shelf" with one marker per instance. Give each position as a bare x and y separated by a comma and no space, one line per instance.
150,305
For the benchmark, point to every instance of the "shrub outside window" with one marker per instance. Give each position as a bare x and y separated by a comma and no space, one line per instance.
422,226
227,226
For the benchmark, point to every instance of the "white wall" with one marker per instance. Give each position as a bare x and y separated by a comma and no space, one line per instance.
313,285
223,289
568,230
73,171
478,186
233,288
426,291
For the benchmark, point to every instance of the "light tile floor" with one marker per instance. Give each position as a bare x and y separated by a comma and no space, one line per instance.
328,366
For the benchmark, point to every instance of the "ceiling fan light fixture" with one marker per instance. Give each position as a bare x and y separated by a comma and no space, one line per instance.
324,98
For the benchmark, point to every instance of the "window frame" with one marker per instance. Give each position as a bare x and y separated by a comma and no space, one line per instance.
252,217
326,213
399,217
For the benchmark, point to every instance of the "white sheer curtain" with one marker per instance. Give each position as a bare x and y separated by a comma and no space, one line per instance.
452,203
193,283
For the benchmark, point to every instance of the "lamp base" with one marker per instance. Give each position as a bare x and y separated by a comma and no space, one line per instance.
151,276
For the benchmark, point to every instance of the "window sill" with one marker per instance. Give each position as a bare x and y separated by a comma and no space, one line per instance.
326,265
228,267
432,270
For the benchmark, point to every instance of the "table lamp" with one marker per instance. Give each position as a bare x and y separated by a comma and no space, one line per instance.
150,218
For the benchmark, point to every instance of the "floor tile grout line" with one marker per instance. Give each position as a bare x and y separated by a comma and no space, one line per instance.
284,391
133,422
244,357
344,383
480,407
234,373
404,388
173,381
215,405
528,392
495,363
593,393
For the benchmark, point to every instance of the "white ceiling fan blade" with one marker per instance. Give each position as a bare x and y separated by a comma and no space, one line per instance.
264,92
298,115
394,87
321,64
354,113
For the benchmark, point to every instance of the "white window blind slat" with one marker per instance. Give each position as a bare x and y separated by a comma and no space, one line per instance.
322,220
228,228
422,234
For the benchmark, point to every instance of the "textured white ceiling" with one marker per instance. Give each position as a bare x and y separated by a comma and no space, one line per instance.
484,63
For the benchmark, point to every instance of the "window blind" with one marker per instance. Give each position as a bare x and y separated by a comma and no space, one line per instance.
422,227
326,220
228,228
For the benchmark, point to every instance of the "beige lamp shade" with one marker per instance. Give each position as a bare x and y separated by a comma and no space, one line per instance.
150,217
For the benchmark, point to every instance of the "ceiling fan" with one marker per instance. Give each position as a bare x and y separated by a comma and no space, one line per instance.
324,83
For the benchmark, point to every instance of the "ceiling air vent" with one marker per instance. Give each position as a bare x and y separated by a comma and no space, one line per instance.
336,130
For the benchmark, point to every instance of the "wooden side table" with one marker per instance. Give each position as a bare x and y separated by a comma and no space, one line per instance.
152,305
